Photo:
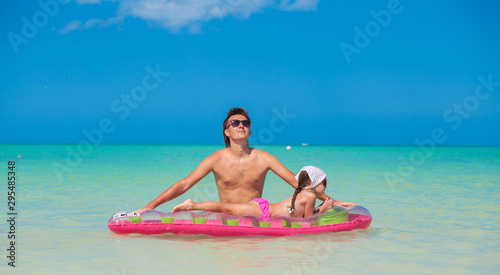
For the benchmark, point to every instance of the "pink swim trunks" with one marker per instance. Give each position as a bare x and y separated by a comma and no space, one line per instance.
264,207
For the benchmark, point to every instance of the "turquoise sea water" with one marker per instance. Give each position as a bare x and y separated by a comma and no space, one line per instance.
440,214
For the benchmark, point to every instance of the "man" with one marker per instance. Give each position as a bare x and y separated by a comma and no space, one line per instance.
239,171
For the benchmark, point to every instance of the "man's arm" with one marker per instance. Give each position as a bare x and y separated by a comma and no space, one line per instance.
280,170
322,196
180,187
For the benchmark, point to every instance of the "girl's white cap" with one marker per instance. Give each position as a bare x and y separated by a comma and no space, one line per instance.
315,174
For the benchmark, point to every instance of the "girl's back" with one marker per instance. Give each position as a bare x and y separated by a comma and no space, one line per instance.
304,205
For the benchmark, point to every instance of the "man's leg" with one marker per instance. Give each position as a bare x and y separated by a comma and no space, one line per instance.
235,209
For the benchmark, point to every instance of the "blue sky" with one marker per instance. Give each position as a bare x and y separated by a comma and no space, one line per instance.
317,72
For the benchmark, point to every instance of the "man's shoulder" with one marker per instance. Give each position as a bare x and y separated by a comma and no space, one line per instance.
219,153
259,152
214,157
265,156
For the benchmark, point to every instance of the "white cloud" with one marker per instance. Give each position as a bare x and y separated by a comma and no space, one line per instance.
94,22
176,14
91,23
91,1
298,5
187,14
194,29
71,26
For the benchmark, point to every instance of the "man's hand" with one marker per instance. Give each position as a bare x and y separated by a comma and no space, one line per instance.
344,203
143,209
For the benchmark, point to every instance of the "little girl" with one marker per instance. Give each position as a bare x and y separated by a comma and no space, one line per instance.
301,204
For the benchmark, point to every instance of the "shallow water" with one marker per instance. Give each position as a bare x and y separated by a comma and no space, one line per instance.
441,215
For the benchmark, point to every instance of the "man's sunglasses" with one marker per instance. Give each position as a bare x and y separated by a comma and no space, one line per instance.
236,123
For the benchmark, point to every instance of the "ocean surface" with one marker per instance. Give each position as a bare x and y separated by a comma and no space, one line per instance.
435,211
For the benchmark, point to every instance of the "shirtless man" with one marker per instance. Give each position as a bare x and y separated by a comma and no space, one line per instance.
239,171
312,181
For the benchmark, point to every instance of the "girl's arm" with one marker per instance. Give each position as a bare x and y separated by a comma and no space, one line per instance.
310,200
327,204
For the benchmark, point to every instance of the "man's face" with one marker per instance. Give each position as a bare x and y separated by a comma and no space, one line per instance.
237,132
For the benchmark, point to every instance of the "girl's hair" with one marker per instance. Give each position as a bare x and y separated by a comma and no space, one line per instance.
303,182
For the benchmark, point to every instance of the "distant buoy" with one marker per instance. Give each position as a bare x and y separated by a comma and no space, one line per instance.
289,147
19,156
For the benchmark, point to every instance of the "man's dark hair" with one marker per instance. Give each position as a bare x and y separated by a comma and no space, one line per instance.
232,112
